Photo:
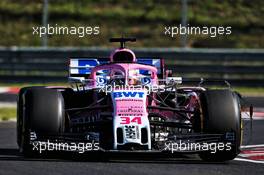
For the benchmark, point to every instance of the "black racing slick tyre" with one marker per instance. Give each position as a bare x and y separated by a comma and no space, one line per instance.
220,115
40,110
20,104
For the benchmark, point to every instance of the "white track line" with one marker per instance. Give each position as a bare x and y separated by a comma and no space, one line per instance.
251,154
247,155
245,116
252,146
8,104
248,160
4,89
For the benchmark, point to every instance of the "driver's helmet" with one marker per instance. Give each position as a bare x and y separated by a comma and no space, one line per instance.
134,77
118,77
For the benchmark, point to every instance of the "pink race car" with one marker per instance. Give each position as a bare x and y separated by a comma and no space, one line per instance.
126,103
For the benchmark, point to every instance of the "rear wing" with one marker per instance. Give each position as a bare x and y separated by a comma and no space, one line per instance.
82,67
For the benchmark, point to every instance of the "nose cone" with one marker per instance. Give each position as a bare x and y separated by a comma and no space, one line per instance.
123,55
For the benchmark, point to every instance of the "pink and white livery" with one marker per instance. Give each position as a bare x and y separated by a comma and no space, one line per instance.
128,103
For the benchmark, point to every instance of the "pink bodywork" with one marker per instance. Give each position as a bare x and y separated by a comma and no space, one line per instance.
125,67
137,106
131,107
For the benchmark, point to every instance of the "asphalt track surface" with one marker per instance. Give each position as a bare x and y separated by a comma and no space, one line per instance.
12,162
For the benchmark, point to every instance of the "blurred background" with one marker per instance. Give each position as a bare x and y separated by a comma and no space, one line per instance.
27,59
144,19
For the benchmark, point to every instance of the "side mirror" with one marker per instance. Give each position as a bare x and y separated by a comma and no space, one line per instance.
177,80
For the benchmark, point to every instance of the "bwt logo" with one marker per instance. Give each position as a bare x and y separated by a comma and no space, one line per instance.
128,94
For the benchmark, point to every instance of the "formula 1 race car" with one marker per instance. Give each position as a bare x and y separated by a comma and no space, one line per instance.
129,104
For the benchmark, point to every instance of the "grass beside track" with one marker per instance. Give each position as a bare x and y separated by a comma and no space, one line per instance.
143,19
20,85
249,91
7,113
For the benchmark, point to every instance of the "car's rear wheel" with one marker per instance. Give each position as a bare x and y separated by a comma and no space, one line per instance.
40,110
221,115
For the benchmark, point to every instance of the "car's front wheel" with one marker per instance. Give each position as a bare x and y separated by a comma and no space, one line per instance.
221,115
40,110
